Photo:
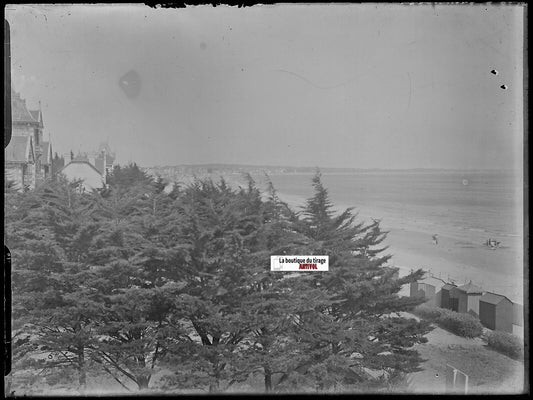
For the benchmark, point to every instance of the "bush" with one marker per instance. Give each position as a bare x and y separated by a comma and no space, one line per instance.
461,324
506,343
430,313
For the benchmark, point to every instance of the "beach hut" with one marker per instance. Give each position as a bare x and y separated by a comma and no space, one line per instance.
496,312
467,298
427,288
445,301
422,289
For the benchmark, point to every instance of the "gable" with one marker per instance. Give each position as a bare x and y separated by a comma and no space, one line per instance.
37,116
470,288
19,111
81,167
82,170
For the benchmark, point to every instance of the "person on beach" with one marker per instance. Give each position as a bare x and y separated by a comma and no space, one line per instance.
435,239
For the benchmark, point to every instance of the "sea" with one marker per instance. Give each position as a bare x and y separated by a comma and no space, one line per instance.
488,202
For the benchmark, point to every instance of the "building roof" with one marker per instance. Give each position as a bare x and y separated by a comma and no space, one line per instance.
19,111
470,288
437,282
449,286
493,298
19,149
99,164
79,162
35,114
38,116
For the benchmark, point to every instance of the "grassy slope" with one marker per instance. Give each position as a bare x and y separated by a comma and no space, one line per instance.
488,370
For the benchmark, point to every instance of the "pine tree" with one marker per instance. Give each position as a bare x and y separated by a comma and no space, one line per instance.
128,176
270,303
50,303
225,264
133,277
81,278
355,311
209,253
128,280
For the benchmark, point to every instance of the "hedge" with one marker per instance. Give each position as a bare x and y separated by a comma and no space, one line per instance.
428,312
461,324
506,343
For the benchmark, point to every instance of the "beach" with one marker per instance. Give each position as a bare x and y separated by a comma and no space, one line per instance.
463,209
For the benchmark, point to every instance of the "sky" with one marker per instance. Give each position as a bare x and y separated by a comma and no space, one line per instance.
360,86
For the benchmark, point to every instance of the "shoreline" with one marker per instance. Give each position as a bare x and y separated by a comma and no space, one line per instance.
459,256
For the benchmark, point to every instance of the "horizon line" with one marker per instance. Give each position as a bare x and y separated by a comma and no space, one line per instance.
327,168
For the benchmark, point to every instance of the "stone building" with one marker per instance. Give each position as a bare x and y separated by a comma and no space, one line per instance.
27,132
20,162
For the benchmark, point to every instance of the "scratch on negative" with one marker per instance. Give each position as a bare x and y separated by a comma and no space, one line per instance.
301,77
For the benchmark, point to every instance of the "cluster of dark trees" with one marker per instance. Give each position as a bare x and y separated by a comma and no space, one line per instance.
174,291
